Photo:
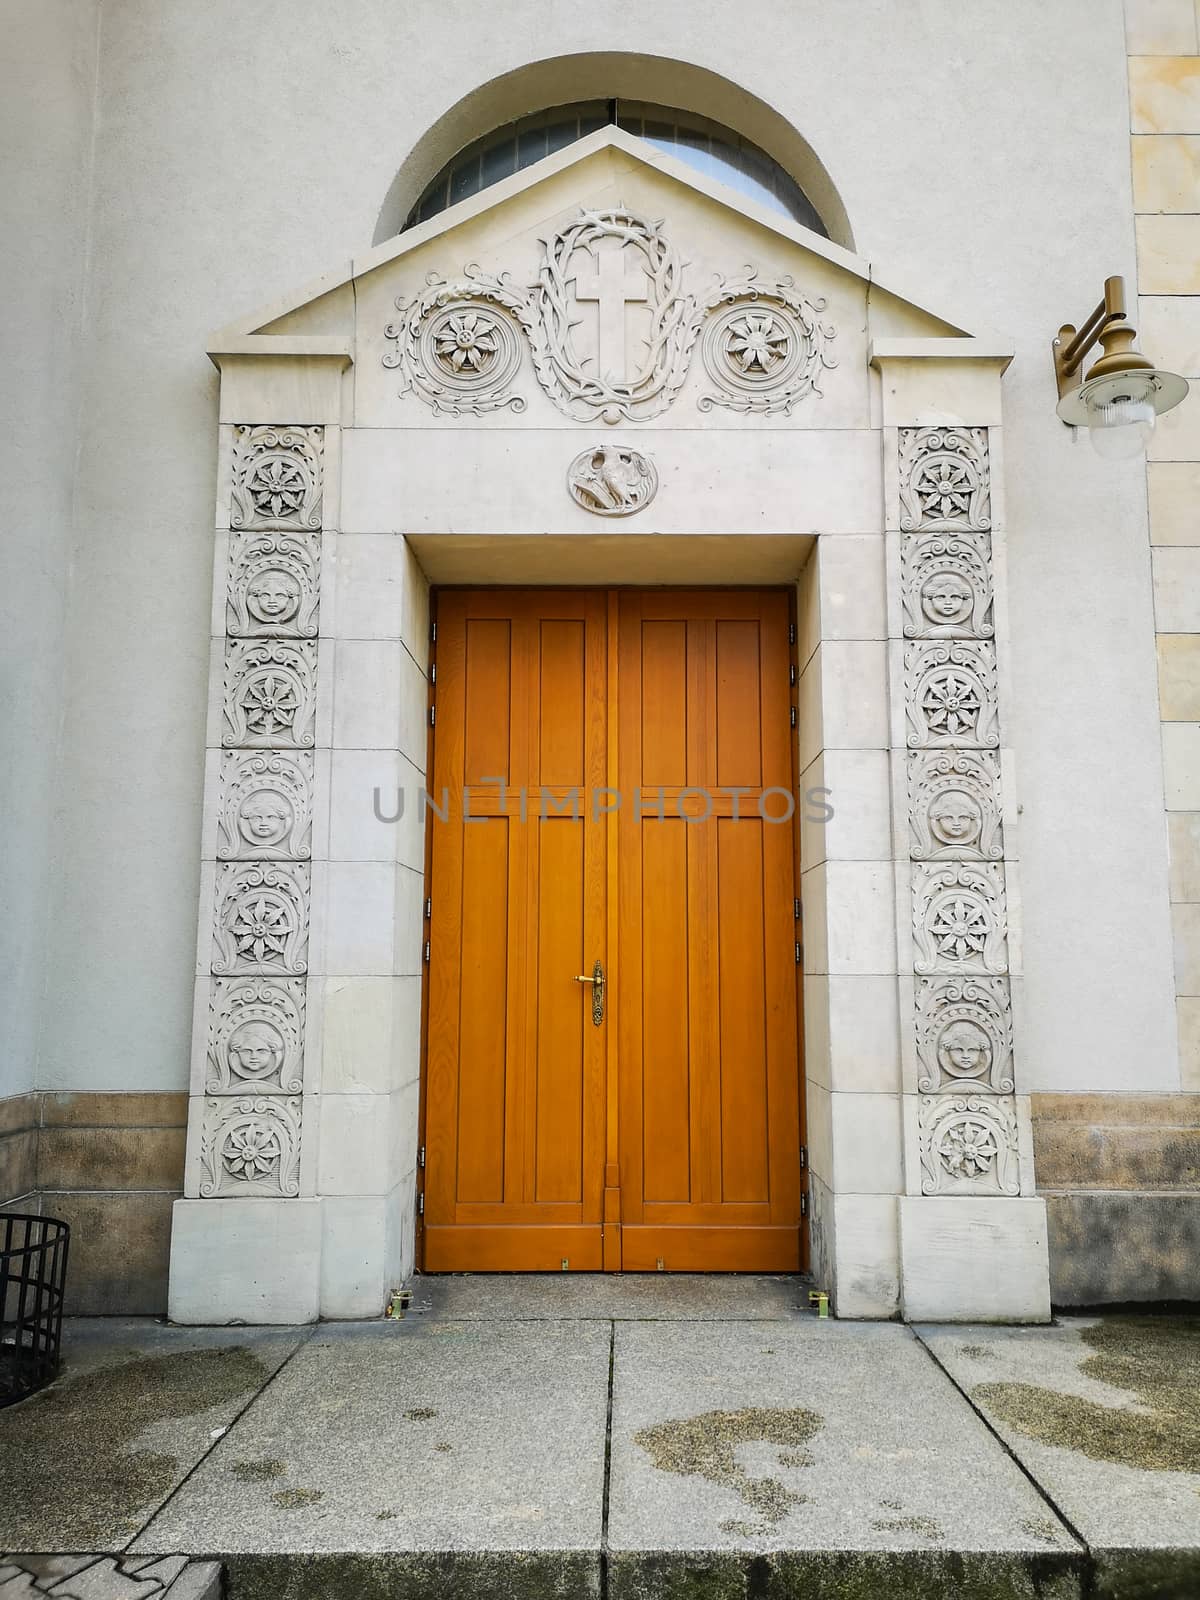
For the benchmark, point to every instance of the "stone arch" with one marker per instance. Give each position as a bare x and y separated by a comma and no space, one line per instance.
600,75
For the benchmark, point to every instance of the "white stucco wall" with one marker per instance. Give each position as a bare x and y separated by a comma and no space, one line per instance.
47,82
242,151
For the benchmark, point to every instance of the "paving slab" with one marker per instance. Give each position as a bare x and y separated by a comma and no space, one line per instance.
1105,1414
385,1449
651,1296
86,1462
760,1458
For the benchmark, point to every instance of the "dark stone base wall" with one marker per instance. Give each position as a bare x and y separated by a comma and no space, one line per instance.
111,1165
1120,1175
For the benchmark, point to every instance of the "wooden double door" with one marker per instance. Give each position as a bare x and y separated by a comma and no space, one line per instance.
615,774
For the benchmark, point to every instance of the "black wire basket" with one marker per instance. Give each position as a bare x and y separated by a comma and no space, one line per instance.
33,1272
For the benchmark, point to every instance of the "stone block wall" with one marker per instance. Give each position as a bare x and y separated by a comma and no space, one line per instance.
110,1165
1163,39
1120,1173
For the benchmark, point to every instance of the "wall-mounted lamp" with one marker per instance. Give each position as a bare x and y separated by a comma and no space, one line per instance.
1121,395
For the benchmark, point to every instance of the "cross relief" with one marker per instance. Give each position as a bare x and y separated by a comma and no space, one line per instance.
612,287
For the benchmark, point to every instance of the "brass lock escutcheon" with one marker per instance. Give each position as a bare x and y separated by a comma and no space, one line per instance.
597,982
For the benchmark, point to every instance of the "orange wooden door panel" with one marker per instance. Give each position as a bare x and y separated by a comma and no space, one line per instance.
708,1057
515,1067
670,1135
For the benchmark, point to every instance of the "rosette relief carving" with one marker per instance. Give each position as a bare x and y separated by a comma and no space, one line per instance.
270,693
764,345
954,805
456,344
951,694
261,918
959,919
945,482
266,806
250,1145
968,1145
277,477
255,1036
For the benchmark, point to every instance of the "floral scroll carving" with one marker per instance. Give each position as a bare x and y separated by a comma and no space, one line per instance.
456,343
270,693
947,586
255,1036
959,918
273,585
954,805
266,806
277,477
764,345
968,1145
251,1146
261,918
944,480
951,694
964,1035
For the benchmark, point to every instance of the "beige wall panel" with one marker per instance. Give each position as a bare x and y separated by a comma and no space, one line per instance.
1166,172
1160,27
1164,94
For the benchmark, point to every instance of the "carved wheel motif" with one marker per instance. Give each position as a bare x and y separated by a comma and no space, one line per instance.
262,921
251,1146
944,479
959,918
968,1145
951,701
269,693
766,349
951,694
277,477
457,346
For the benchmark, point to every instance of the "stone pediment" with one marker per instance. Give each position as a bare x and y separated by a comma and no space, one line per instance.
607,284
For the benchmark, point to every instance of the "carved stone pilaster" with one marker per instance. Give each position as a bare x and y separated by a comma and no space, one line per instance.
966,1120
252,1040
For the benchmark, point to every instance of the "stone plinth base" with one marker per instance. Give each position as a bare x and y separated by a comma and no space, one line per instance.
255,1261
973,1260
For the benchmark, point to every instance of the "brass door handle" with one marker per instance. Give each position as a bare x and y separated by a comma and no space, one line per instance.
597,982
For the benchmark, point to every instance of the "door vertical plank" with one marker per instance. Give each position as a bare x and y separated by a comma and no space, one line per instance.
445,928
612,947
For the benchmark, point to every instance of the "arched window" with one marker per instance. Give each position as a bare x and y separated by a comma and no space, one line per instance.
717,152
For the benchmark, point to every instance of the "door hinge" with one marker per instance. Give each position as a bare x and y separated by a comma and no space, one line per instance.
427,951
804,1204
433,672
792,674
791,633
429,908
433,632
792,715
432,715
799,954
421,1206
803,1156
421,1158
795,910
